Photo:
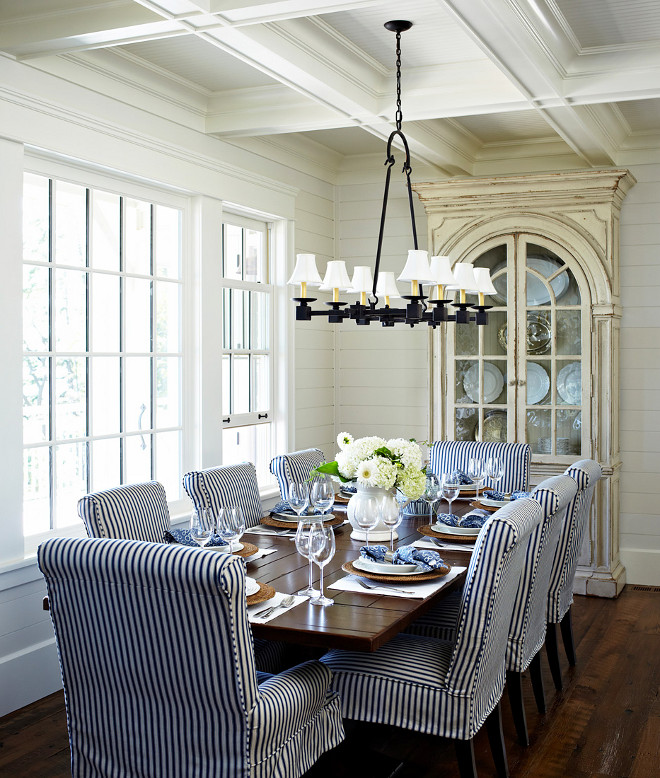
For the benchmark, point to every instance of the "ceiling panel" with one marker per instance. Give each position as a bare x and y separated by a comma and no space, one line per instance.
612,22
348,140
195,60
641,115
503,127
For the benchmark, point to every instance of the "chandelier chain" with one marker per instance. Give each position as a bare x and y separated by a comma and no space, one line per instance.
399,114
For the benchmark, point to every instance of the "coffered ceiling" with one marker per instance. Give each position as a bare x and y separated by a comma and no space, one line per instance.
479,76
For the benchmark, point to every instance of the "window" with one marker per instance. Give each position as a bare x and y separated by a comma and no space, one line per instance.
102,316
247,369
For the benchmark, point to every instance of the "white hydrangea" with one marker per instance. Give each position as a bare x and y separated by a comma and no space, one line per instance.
409,452
412,482
344,439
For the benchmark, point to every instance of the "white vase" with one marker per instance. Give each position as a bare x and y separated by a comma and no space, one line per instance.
380,531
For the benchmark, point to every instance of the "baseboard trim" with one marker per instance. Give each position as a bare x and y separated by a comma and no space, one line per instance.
29,675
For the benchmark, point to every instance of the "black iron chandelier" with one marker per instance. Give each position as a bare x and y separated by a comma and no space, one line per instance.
438,274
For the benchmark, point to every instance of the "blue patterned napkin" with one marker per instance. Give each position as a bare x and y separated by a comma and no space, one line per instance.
475,520
184,538
491,494
520,494
450,519
405,555
462,478
284,507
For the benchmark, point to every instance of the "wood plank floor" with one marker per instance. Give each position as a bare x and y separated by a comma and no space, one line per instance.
604,724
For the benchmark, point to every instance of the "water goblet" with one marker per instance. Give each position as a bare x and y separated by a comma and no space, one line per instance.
449,488
431,494
495,470
322,495
303,533
366,515
298,496
202,526
391,514
322,549
476,472
231,525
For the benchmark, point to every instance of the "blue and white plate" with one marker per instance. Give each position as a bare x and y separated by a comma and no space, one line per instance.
470,532
385,568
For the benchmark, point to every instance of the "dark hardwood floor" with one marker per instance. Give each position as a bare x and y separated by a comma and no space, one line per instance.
604,724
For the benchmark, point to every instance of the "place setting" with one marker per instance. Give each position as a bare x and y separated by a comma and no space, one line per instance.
305,499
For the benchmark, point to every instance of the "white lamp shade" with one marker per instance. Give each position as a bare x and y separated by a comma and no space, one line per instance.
362,281
336,276
417,267
387,286
305,271
464,277
484,284
441,271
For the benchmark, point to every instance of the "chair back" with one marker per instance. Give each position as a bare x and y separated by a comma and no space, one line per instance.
296,466
528,620
476,671
586,473
131,512
449,455
156,657
221,487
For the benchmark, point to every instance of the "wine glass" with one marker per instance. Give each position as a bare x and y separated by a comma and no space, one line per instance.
495,470
231,525
391,514
305,527
431,494
202,525
322,549
476,471
449,488
298,496
366,514
322,494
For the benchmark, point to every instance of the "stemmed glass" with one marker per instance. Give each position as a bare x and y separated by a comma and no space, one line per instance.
431,494
231,525
202,525
495,470
366,514
449,488
322,549
303,533
298,496
391,514
476,471
322,495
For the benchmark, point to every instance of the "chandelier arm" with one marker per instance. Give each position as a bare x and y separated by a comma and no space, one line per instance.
389,162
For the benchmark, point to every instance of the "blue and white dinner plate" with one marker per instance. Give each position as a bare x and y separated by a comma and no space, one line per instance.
294,518
385,568
471,532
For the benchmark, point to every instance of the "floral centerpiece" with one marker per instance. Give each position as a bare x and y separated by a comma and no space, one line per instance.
376,462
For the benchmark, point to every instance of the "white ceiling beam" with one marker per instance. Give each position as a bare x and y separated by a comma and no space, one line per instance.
249,12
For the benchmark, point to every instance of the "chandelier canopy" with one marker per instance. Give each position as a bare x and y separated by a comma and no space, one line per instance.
418,270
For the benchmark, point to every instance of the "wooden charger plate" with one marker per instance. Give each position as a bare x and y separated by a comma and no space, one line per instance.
247,550
348,567
431,533
265,593
271,521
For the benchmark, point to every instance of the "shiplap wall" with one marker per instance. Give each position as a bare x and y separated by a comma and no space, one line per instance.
640,378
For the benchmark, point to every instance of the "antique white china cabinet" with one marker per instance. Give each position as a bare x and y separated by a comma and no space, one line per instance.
544,370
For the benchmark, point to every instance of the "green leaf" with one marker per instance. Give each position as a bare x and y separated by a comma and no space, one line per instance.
329,468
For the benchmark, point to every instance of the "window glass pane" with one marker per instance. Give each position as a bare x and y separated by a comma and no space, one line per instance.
240,319
233,252
138,458
138,315
35,308
70,310
36,220
168,392
226,318
36,400
104,312
241,383
226,385
168,242
249,444
168,326
137,372
70,482
70,224
105,231
36,490
569,334
106,459
260,394
253,262
260,321
105,396
137,237
168,463
70,397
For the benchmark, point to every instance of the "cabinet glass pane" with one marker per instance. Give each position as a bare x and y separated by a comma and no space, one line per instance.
538,339
539,430
494,382
495,334
467,423
467,381
569,334
495,260
569,383
494,427
466,340
538,382
569,431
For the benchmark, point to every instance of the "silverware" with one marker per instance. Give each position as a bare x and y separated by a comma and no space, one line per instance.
366,585
286,602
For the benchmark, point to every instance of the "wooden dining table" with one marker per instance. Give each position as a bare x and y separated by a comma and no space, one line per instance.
358,621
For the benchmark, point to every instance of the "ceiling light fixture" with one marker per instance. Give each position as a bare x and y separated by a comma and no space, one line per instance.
438,274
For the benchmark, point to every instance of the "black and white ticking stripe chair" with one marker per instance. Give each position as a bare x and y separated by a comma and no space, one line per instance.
449,455
222,487
586,473
156,656
444,688
132,512
295,467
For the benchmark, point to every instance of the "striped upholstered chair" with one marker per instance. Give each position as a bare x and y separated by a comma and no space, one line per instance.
159,678
441,687
220,487
132,512
449,455
296,466
586,473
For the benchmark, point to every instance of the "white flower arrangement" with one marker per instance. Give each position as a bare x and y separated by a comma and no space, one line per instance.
374,461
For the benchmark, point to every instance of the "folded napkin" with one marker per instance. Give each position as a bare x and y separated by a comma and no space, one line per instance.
475,520
349,488
462,478
404,555
183,537
284,507
450,519
520,494
491,494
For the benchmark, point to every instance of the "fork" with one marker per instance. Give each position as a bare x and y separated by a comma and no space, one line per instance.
366,585
264,614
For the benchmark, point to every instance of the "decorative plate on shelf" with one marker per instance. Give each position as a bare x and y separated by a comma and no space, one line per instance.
494,429
538,383
569,383
537,290
493,382
538,333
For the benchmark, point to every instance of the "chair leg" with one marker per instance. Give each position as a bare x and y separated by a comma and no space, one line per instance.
496,740
514,686
567,636
537,682
552,650
467,767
